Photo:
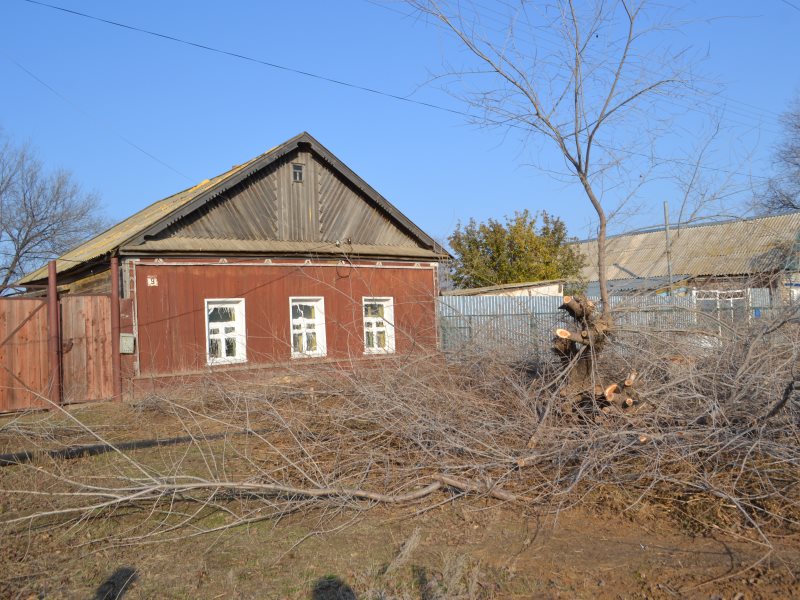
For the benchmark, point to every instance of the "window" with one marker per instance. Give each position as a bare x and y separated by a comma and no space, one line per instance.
297,173
308,326
378,325
225,331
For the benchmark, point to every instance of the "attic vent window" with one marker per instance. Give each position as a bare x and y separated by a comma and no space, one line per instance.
297,173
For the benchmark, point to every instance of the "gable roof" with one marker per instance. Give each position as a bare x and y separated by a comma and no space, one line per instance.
740,247
137,231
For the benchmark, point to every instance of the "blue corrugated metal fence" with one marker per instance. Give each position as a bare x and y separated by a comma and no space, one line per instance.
525,324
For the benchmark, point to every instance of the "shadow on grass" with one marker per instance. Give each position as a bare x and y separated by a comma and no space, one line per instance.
115,587
332,588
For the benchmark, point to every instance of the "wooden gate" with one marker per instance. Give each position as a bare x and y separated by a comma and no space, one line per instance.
86,368
24,364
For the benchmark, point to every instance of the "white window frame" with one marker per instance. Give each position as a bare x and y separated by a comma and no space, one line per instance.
239,334
319,326
374,324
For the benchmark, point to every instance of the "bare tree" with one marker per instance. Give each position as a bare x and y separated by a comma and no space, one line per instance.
42,214
579,77
783,191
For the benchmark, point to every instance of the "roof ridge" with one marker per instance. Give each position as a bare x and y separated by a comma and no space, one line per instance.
161,213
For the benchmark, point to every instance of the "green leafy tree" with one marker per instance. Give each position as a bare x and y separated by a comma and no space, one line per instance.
518,250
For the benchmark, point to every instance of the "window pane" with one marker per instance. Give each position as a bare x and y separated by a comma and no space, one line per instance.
214,330
297,342
311,342
221,314
373,310
230,329
230,346
381,339
370,339
303,311
213,348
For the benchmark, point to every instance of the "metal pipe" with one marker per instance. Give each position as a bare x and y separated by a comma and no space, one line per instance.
669,258
53,334
116,359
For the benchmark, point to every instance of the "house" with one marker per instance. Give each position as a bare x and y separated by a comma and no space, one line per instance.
289,257
554,287
760,252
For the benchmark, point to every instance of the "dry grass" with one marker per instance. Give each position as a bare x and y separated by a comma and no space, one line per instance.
713,444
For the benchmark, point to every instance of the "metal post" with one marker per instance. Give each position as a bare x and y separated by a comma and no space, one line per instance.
53,334
669,258
116,361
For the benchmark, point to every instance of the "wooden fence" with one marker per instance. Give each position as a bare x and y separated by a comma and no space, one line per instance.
85,354
86,348
24,364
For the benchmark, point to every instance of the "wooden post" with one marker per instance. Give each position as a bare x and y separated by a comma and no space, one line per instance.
116,361
53,334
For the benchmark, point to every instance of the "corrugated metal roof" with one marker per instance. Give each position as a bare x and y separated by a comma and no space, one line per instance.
730,248
114,237
632,286
135,229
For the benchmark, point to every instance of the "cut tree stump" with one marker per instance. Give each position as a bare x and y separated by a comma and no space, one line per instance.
578,346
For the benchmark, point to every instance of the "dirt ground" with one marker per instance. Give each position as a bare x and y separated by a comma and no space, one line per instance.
465,548
464,551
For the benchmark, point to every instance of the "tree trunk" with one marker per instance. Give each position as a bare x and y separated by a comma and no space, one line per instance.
579,346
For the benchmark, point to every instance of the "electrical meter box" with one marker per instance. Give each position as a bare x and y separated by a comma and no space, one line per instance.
127,343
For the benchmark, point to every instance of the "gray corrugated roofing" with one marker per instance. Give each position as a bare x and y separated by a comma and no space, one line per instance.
155,218
731,248
633,286
113,238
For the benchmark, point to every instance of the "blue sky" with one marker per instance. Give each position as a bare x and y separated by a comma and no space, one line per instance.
200,113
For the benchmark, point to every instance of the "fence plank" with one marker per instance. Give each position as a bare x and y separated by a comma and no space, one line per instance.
86,342
23,354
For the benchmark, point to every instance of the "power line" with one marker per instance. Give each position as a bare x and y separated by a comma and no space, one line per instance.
354,85
751,112
700,91
87,115
248,58
794,6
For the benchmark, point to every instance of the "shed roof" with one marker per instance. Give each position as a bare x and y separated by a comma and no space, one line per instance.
503,287
133,233
739,247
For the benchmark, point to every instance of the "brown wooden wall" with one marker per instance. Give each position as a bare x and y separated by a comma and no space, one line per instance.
24,364
171,320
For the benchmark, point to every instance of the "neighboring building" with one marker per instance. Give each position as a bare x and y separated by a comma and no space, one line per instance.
553,287
290,256
758,252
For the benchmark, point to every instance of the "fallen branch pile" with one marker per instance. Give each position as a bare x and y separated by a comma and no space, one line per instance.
708,437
